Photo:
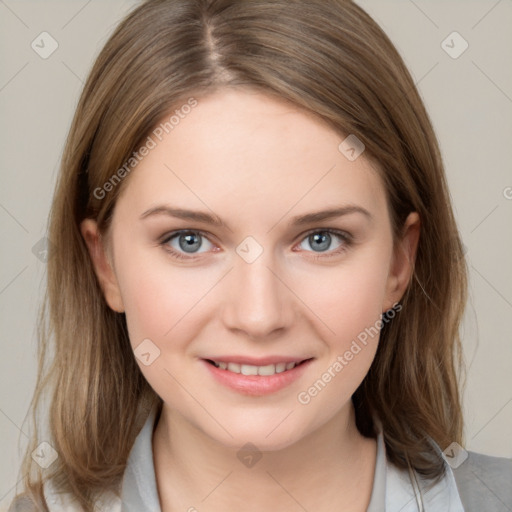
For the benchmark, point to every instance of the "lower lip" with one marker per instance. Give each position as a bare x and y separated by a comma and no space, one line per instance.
257,385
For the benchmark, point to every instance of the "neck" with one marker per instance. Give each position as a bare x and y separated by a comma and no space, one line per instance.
330,468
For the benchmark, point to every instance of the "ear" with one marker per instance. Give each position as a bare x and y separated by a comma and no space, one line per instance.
102,264
402,263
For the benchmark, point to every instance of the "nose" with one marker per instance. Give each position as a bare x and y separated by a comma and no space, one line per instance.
258,304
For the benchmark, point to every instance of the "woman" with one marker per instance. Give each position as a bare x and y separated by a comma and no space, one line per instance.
257,279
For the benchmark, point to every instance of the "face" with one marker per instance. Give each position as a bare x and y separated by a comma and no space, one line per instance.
246,238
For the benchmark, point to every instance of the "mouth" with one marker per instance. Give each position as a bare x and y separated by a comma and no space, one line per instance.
262,370
261,379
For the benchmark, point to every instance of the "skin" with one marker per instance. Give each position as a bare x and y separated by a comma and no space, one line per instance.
255,162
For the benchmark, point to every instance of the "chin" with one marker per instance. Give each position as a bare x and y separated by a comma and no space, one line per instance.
270,432
260,440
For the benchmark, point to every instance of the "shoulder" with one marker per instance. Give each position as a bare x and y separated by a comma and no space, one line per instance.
58,502
23,503
485,483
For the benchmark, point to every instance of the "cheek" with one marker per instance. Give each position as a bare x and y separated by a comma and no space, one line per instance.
348,302
157,295
348,298
162,303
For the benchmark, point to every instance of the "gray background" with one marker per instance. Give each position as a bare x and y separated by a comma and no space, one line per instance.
470,102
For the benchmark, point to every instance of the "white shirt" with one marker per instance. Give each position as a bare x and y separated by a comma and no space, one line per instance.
392,488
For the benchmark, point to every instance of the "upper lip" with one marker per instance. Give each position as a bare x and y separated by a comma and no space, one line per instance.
258,361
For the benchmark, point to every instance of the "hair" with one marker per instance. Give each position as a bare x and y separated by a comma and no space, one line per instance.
327,57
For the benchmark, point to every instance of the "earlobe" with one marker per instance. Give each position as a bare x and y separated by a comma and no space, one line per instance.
102,266
404,256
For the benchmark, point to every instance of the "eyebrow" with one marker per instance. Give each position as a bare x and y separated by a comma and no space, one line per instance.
215,220
329,214
181,213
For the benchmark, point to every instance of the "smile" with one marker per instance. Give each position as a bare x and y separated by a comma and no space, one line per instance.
255,380
249,369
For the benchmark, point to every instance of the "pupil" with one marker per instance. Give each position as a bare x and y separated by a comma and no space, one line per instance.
190,242
320,241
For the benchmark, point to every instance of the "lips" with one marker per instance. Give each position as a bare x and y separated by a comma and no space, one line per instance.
253,369
269,376
257,361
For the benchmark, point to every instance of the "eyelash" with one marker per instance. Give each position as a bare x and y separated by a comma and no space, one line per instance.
346,238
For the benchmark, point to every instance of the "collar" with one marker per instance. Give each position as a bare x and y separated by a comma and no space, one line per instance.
392,487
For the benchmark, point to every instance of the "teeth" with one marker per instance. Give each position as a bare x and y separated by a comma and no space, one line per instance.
280,367
234,367
249,369
270,369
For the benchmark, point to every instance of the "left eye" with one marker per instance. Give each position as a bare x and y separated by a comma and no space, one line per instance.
189,242
321,241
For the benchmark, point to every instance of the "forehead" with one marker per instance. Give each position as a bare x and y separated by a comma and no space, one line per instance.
248,150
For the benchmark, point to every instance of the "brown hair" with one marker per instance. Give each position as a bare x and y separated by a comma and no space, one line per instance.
326,56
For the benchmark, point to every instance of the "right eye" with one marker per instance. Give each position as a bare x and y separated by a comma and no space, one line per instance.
187,241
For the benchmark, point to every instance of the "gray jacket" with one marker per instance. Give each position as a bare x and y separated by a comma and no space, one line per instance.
485,483
478,483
